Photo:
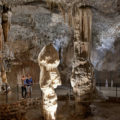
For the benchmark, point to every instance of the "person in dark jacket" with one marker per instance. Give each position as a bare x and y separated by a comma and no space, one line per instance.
29,82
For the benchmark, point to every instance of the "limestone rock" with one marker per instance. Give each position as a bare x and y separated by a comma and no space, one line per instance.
82,73
48,60
34,25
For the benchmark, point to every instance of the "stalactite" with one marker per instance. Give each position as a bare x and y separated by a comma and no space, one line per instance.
51,4
69,18
90,29
1,42
61,8
6,21
48,3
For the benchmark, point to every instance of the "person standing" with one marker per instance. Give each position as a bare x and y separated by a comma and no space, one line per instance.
24,91
29,82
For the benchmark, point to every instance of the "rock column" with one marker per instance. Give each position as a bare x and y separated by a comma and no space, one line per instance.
48,60
82,73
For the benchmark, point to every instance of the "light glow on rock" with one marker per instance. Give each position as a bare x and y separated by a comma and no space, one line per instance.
48,60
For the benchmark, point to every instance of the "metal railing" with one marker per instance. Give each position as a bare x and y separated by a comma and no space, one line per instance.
15,93
109,90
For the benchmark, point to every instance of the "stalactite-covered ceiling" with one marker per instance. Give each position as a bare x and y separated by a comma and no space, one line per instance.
34,25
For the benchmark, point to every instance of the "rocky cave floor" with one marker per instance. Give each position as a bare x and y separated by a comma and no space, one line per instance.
31,109
100,111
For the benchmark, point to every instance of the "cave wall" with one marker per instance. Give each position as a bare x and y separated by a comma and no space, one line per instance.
28,67
34,25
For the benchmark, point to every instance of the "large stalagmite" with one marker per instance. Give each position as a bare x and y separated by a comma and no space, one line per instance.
82,73
48,60
79,16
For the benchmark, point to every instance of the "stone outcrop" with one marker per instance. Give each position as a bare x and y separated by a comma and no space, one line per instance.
82,73
48,60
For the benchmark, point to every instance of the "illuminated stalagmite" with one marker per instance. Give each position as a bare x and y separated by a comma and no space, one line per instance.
79,16
48,60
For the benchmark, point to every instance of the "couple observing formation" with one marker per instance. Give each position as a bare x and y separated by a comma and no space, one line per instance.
26,85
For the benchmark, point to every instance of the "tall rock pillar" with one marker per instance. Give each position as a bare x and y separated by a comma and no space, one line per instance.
82,73
48,60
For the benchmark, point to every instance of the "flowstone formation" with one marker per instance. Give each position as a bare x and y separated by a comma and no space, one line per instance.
82,73
79,16
48,60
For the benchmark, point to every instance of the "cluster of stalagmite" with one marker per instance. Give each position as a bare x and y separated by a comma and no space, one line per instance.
48,60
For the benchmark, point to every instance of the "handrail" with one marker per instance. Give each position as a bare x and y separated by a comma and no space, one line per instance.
36,92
